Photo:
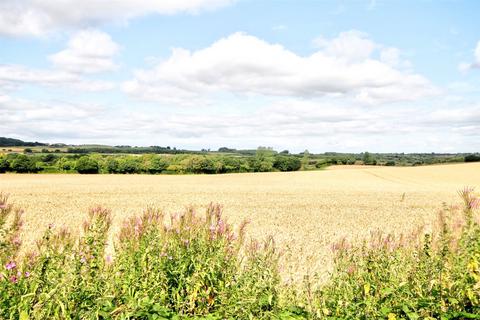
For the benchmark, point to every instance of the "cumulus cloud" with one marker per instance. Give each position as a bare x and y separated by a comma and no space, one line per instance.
88,51
37,17
244,64
472,65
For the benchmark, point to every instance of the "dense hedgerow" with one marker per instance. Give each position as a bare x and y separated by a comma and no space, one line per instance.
148,163
196,266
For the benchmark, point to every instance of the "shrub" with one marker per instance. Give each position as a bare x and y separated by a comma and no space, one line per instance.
23,164
472,158
287,163
129,165
4,165
87,165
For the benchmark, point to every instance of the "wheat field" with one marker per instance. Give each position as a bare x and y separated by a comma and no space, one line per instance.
305,211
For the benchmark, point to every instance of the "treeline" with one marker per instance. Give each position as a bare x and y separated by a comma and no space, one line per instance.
9,142
262,161
391,159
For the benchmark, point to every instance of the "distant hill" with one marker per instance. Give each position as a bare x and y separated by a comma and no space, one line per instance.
9,142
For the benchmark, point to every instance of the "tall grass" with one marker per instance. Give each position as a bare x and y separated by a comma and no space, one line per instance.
194,265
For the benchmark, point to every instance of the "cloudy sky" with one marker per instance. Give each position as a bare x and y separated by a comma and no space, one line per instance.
382,76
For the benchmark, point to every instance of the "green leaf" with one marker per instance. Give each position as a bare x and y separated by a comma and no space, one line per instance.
24,315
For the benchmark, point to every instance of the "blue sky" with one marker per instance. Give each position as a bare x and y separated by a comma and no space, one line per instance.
382,76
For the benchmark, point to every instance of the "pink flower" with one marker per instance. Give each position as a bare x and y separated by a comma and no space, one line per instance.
16,241
27,274
108,259
475,203
13,279
83,260
351,270
11,265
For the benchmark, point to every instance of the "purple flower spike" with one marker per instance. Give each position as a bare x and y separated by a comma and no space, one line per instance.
11,265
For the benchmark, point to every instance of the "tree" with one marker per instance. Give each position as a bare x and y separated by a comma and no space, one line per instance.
87,165
263,160
472,158
4,165
367,158
305,159
156,165
287,163
65,164
23,164
128,165
111,165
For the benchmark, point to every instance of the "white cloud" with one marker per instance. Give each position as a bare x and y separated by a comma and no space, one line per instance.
88,51
244,64
37,17
353,46
14,76
292,124
475,64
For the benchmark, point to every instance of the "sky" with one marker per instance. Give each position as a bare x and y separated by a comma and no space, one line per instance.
344,76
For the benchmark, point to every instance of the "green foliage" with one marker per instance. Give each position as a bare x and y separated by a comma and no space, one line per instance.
426,275
284,163
65,164
263,160
87,164
4,165
188,266
472,157
23,164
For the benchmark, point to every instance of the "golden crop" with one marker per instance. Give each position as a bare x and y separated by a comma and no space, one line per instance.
305,211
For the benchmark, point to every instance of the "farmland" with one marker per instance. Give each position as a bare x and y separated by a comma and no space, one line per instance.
305,211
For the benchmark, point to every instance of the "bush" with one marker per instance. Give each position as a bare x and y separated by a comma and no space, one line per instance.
472,158
87,165
23,164
129,165
287,163
4,165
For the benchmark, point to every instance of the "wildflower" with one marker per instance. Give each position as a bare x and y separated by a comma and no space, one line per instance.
474,203
108,259
16,241
221,227
11,265
83,260
351,270
27,274
13,279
